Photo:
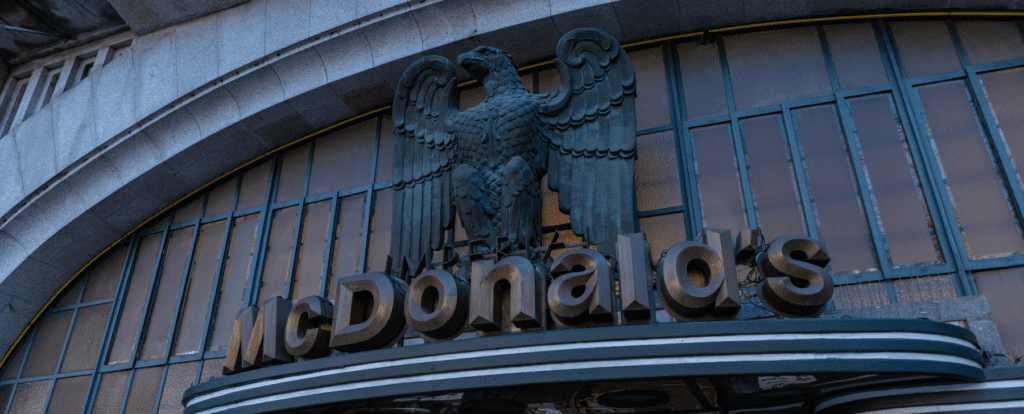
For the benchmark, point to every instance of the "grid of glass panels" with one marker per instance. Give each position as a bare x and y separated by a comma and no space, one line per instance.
891,142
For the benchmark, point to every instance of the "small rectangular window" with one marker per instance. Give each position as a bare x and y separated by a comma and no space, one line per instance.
52,76
13,102
82,69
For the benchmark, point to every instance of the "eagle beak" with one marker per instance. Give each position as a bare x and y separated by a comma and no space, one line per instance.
474,64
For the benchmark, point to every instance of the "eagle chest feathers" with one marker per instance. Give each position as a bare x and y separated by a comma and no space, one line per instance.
499,165
492,133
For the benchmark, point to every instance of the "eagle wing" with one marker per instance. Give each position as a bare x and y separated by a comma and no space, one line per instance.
593,145
425,150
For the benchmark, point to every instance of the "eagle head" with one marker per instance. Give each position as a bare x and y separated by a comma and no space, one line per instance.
493,68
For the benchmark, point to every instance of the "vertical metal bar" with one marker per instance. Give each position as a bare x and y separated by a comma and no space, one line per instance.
28,349
127,389
211,307
10,400
183,289
256,274
328,266
938,203
160,391
798,167
368,210
737,141
300,217
848,129
67,338
684,148
150,295
112,319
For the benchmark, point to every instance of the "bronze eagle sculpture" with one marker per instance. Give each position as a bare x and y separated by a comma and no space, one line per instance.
486,164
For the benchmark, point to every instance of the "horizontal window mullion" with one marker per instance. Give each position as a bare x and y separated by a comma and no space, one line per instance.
986,67
994,263
711,120
660,211
654,129
938,77
867,90
854,278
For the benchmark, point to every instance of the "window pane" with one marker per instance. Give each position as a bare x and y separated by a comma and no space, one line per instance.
348,236
344,159
861,295
111,393
551,215
200,284
990,41
70,296
254,186
30,397
105,276
234,280
925,47
919,289
86,338
276,273
548,81
657,171
1002,288
987,223
5,395
770,168
189,211
718,179
855,55
832,187
13,364
292,179
212,368
47,344
1004,90
221,198
703,87
386,150
652,108
663,232
899,203
145,386
790,58
179,377
165,299
380,231
123,348
316,227
69,395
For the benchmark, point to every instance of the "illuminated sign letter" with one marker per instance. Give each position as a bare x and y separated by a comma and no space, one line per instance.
369,312
795,280
582,289
437,305
309,328
257,337
515,277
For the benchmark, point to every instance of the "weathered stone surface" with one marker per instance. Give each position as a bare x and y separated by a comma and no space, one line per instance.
241,35
287,23
195,44
34,142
